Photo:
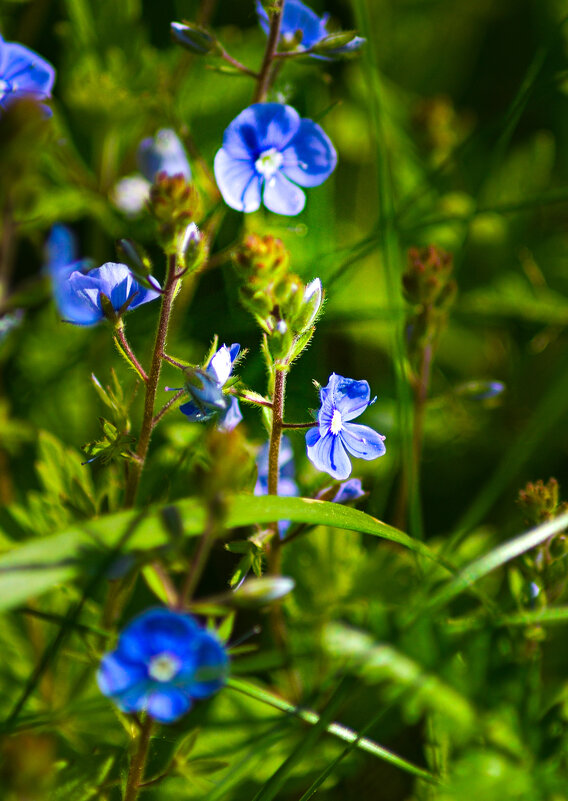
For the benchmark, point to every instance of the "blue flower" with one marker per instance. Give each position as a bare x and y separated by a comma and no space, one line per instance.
206,390
61,260
163,152
328,445
301,27
269,151
80,297
287,487
23,74
163,661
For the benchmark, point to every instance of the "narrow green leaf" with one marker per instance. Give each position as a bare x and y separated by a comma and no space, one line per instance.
336,729
38,566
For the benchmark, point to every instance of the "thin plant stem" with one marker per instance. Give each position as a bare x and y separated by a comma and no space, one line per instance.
265,74
198,562
171,359
238,66
138,762
126,351
273,459
299,425
137,466
166,407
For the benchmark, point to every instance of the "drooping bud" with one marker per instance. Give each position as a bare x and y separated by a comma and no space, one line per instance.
338,45
194,38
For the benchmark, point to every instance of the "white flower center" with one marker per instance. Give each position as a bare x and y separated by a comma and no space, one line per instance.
269,162
336,422
164,667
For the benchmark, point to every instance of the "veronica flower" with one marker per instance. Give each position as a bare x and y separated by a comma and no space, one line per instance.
269,152
61,259
163,662
23,74
163,152
87,298
287,487
302,29
335,437
205,386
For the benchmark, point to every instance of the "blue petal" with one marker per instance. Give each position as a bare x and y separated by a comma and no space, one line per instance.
362,441
221,364
238,182
195,414
283,197
115,675
310,157
298,17
349,491
135,698
157,631
212,661
168,704
163,153
350,397
26,71
260,127
205,391
60,249
328,454
231,418
77,300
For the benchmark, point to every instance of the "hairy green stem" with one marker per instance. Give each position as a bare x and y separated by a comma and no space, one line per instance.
265,74
138,763
152,384
126,351
273,459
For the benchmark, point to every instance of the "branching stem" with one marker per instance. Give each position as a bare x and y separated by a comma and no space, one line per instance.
265,74
126,351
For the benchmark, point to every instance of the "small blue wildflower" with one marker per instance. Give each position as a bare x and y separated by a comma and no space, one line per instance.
350,490
163,662
269,151
335,437
206,390
287,487
23,74
163,152
82,295
302,29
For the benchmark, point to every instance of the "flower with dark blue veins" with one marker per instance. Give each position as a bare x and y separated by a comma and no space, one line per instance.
163,662
268,153
328,445
23,74
302,29
107,291
205,387
287,487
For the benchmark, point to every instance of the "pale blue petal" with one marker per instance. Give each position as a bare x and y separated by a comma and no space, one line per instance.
283,197
329,455
349,491
115,675
350,397
310,157
238,182
27,72
221,365
163,152
232,417
362,441
168,704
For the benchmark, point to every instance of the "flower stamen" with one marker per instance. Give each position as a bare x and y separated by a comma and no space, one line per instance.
336,422
269,162
163,667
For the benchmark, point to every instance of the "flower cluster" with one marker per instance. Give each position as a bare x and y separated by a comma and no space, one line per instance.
163,662
328,445
23,74
268,153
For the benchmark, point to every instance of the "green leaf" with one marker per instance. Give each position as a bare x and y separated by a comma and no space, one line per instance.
336,729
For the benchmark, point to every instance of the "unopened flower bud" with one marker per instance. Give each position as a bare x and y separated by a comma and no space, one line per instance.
193,38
